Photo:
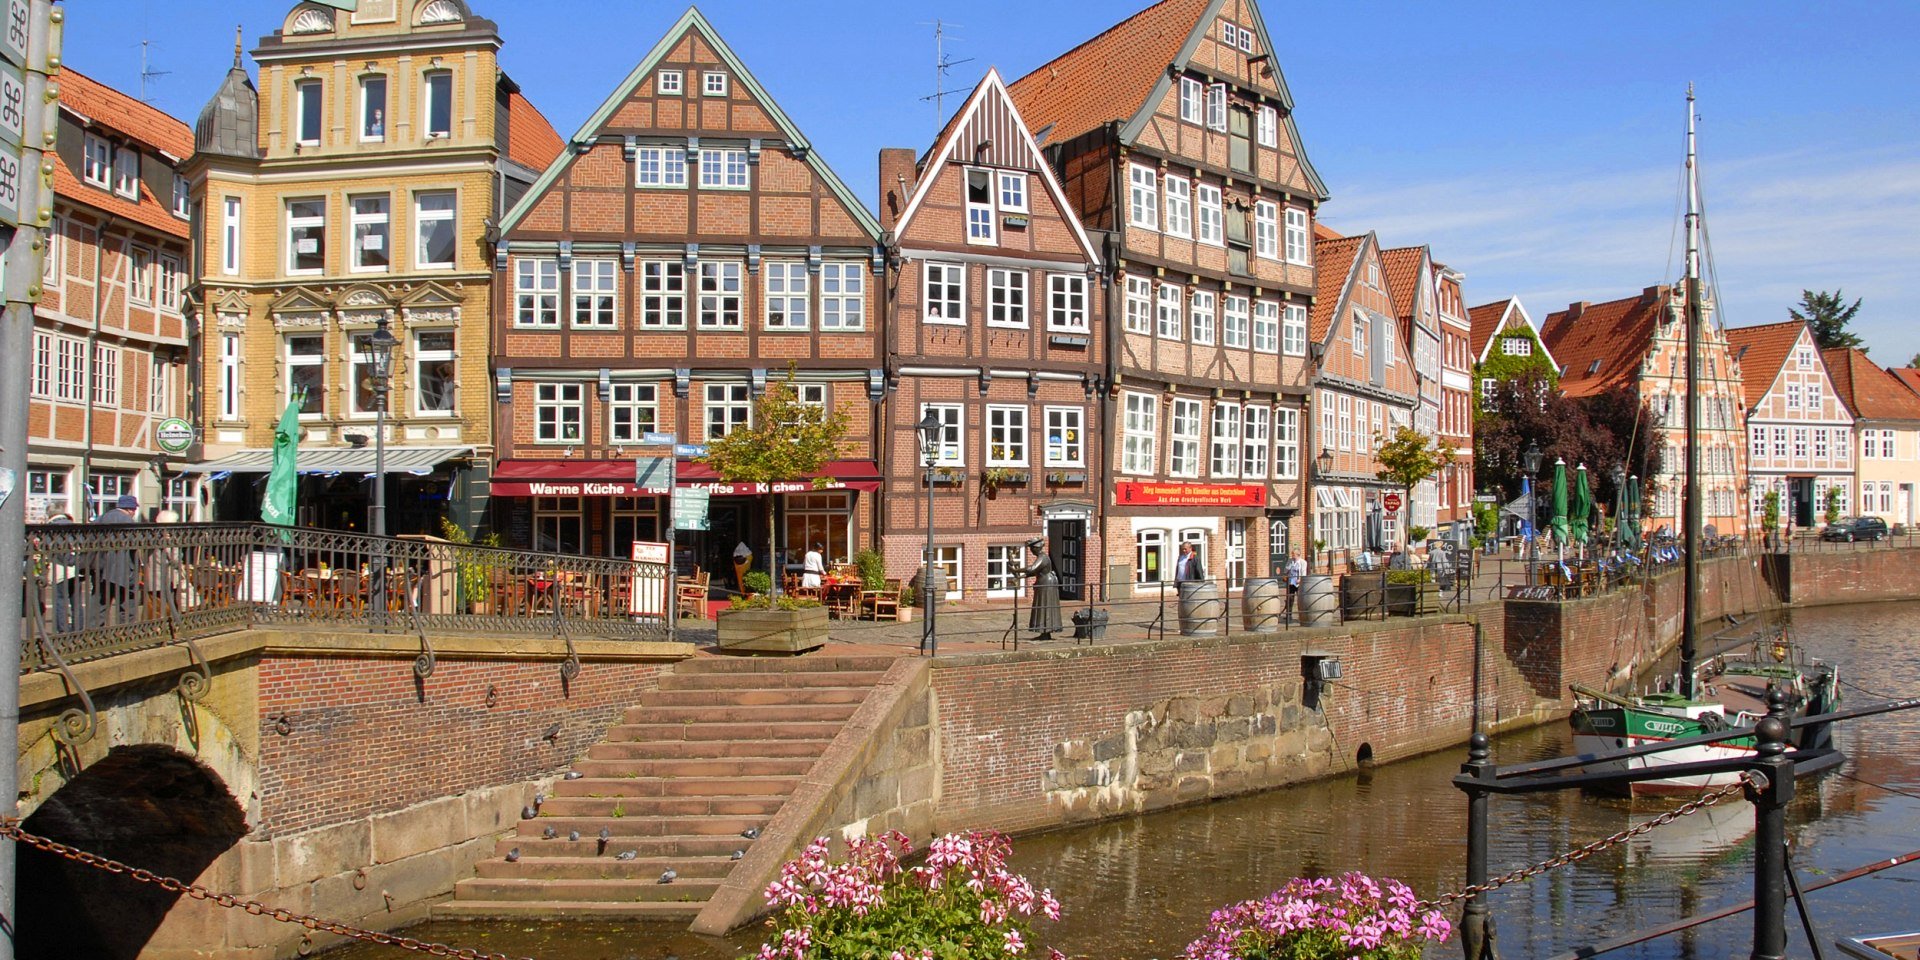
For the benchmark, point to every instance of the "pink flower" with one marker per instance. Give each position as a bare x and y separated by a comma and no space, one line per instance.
1015,945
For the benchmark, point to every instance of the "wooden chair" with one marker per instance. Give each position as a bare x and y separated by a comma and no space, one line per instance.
690,595
351,588
882,604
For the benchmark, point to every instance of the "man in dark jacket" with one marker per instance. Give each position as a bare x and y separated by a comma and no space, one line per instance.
115,571
1189,566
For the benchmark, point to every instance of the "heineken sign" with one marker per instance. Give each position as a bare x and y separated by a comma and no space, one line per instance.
173,435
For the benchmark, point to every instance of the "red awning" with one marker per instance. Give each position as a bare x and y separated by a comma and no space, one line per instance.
615,478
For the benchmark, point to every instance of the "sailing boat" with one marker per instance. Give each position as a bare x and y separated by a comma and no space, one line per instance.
1728,692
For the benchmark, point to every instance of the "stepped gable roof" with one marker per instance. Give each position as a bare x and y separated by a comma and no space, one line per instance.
1485,319
1108,77
1334,262
1909,377
531,140
1868,391
1761,351
1402,268
1601,346
101,107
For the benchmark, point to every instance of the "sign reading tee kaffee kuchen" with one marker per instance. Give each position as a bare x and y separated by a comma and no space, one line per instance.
1183,494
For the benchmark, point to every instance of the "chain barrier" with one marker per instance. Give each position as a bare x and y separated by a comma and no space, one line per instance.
1747,779
10,827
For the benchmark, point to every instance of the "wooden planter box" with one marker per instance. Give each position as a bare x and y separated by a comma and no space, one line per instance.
772,631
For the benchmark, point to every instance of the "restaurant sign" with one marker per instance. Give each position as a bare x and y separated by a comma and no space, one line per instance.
1184,494
720,489
570,488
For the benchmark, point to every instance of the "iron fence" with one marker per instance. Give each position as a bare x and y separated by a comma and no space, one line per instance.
97,590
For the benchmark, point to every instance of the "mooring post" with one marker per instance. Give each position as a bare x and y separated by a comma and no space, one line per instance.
1770,829
1476,926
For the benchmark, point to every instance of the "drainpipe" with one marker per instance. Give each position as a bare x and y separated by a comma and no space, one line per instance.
87,363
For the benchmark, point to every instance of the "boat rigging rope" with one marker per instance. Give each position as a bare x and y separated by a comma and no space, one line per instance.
10,827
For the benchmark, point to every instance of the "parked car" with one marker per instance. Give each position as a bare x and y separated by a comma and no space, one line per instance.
1849,529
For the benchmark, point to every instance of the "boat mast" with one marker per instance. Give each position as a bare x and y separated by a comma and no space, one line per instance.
1690,503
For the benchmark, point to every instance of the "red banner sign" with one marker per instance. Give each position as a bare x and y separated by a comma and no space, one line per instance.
571,488
1186,494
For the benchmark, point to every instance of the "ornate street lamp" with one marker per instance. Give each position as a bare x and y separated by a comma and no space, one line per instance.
1322,467
930,428
379,351
1530,462
1619,477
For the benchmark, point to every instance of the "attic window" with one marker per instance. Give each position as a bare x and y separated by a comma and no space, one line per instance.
713,84
669,85
1517,346
1593,368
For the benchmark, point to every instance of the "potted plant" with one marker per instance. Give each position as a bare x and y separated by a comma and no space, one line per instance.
1354,916
472,569
1405,591
756,582
994,478
763,623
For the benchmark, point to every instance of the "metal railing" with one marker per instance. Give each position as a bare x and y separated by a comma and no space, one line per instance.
98,590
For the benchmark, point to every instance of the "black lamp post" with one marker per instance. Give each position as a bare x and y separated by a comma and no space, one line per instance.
1322,467
1619,476
379,350
930,428
1530,461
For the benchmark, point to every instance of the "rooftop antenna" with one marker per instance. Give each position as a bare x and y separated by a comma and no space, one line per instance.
147,73
942,66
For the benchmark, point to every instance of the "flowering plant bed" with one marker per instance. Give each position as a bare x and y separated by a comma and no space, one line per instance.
1354,916
959,904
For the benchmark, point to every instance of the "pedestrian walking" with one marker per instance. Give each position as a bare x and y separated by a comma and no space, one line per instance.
1189,566
1296,572
115,573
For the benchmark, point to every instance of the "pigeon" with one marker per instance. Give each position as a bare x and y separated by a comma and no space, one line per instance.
573,834
513,856
627,855
667,877
528,813
751,833
606,833
574,774
539,799
549,834
737,854
553,732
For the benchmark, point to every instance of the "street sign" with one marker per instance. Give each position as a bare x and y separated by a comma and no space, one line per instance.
173,435
689,451
690,509
13,38
653,474
13,106
1485,498
653,439
1392,502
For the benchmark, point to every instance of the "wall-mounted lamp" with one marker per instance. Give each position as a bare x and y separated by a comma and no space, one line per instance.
1317,669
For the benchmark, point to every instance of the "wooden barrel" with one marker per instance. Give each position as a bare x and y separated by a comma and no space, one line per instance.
1262,602
1318,602
1202,612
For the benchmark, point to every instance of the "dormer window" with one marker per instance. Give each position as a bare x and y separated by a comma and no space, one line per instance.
439,104
671,83
126,172
182,197
99,163
1592,368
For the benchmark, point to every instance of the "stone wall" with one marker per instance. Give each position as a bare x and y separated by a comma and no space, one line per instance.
1849,573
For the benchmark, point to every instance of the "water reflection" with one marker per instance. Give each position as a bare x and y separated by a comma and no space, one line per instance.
1142,888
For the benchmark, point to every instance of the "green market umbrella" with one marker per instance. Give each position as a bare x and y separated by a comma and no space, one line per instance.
1620,510
1560,502
1630,529
1582,518
283,483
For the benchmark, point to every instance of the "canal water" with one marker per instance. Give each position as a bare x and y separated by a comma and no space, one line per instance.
1141,888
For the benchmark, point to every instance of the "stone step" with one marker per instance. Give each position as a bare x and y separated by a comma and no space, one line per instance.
587,891
742,697
531,844
706,749
810,664
617,771
676,786
730,732
781,714
768,681
531,867
625,807
566,910
718,825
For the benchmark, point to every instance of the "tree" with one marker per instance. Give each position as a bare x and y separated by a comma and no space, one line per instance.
786,440
1408,457
1915,362
1599,431
1828,314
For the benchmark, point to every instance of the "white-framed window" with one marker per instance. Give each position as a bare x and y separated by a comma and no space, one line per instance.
558,410
1006,297
1013,191
536,292
595,290
1197,536
1217,106
1779,443
1820,443
1200,312
1293,330
373,108
1266,229
1143,197
635,411
1006,436
1151,562
1229,34
843,295
811,395
1234,322
1139,305
108,488
1244,41
42,382
126,171
361,399
306,364
438,112
1168,316
369,222
1005,565
1799,443
1067,302
172,278
139,274
1815,395
660,166
1359,338
1757,443
1299,242
98,166
1183,453
721,288
1517,346
70,369
1192,97
1266,326
434,377
724,168
670,83
1886,445
713,83
1066,445
1233,550
1346,422
558,525
48,493
1268,126
1179,206
950,450
1210,215
946,293
229,376
1224,448
432,231
728,407
948,560
306,236
182,197
1286,443
663,294
1140,430
1256,441
309,115
230,236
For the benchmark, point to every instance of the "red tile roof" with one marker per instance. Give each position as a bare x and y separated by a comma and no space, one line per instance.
1761,351
1108,77
115,111
1323,232
1402,267
1600,346
1870,392
1333,265
1485,320
531,140
1909,377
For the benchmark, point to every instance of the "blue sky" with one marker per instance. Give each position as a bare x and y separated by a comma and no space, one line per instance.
1536,147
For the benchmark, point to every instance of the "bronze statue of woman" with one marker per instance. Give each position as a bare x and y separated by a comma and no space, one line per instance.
1045,618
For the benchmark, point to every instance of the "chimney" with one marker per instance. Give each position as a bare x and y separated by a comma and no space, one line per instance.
897,175
1574,310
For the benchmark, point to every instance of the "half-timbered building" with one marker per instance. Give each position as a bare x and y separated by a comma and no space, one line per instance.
1799,427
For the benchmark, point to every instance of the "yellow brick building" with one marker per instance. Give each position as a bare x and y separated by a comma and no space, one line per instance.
353,186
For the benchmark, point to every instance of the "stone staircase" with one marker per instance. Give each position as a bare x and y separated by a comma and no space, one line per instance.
702,761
